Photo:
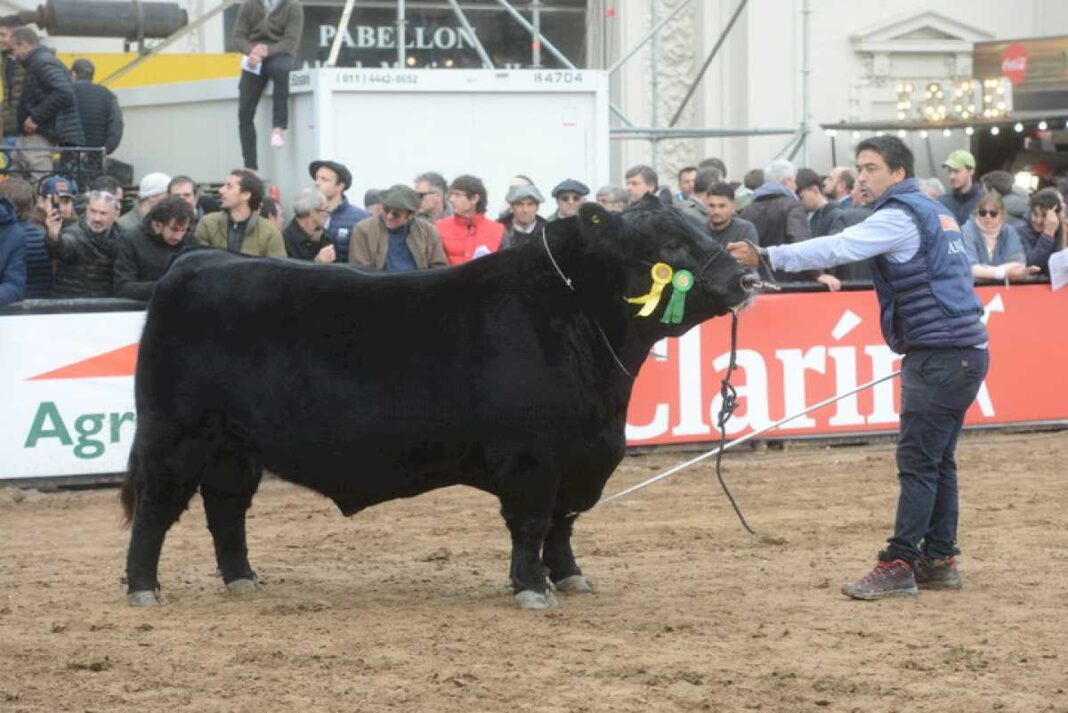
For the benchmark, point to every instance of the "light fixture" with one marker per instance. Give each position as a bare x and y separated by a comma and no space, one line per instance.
923,134
1018,128
947,133
856,135
1042,126
901,133
968,131
994,131
879,133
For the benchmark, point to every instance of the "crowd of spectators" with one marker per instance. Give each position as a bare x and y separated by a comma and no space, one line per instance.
59,242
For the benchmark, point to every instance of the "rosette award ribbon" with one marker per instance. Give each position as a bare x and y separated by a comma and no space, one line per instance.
661,274
681,283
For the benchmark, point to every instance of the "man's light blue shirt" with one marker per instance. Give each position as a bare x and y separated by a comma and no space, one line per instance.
891,232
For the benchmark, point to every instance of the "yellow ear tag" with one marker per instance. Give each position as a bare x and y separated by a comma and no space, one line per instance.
595,219
661,274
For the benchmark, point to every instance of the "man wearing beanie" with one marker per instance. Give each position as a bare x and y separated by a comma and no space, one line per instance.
397,240
152,190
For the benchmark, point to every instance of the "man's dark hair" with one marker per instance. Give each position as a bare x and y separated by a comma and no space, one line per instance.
171,209
471,185
646,172
26,36
435,179
10,21
250,183
806,178
179,180
893,150
269,208
1000,181
713,162
107,184
1046,199
706,179
754,179
21,194
83,69
686,169
721,189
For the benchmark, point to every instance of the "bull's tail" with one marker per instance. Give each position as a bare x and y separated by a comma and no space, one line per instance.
132,488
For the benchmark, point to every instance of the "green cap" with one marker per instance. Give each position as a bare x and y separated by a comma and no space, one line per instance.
401,196
959,159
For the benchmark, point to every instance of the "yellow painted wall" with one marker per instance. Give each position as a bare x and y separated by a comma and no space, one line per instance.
161,69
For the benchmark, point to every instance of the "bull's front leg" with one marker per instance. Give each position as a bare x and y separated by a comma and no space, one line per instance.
527,572
559,558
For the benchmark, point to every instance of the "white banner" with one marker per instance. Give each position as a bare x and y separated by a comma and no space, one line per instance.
66,389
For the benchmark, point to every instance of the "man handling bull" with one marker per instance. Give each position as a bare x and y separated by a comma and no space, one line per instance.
931,315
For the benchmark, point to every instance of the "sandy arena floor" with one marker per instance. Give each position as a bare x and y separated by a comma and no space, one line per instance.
407,607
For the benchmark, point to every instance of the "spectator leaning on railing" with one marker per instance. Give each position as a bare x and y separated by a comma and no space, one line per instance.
12,255
38,262
994,249
1043,234
85,253
146,251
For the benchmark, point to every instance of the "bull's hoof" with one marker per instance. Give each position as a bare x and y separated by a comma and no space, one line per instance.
143,598
242,587
575,584
529,599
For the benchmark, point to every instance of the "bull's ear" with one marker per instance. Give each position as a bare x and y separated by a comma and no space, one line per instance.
595,222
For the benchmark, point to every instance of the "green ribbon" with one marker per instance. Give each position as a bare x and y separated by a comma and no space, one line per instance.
681,282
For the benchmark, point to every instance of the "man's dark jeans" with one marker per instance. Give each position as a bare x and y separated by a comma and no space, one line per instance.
250,89
937,387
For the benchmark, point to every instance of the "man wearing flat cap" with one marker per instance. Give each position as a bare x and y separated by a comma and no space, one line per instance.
569,195
333,179
523,222
397,240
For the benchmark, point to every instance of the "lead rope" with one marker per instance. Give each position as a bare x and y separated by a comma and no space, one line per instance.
729,403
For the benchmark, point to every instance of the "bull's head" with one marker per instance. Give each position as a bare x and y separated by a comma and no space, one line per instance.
674,276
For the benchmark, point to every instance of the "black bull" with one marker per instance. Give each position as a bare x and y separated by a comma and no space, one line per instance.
368,387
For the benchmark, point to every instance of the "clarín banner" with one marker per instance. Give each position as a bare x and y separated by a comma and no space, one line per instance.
66,381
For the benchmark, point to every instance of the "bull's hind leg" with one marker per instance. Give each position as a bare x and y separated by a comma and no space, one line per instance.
560,560
164,471
227,491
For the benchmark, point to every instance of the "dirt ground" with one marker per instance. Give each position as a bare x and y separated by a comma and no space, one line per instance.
406,607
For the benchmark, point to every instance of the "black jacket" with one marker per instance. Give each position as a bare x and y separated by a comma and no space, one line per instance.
299,245
513,238
779,219
84,261
48,98
828,220
142,259
101,115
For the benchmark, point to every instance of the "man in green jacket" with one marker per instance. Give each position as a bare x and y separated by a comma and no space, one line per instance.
238,227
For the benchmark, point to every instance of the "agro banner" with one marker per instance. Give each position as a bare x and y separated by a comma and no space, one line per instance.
67,408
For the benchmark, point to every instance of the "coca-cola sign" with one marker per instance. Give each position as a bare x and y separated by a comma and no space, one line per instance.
1014,63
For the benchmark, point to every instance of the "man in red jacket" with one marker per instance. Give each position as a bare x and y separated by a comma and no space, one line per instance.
468,233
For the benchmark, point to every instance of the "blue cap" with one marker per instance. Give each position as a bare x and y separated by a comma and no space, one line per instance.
57,186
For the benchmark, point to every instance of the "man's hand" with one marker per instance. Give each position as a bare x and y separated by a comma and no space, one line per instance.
260,51
1017,271
253,60
745,252
832,282
326,255
29,126
1050,223
54,224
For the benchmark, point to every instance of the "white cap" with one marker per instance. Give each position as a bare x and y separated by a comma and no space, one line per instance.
153,184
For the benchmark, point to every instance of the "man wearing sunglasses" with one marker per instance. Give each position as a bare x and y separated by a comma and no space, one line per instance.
569,195
929,313
397,240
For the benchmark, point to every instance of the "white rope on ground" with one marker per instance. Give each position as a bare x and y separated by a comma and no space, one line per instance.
743,439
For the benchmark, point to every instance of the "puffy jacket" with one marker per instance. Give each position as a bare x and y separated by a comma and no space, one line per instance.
48,98
38,262
340,224
14,76
142,259
101,115
12,255
779,219
463,236
85,261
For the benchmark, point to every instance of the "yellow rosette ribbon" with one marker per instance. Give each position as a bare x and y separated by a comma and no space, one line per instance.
661,273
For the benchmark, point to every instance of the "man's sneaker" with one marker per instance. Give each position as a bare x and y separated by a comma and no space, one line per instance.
278,139
887,579
941,573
